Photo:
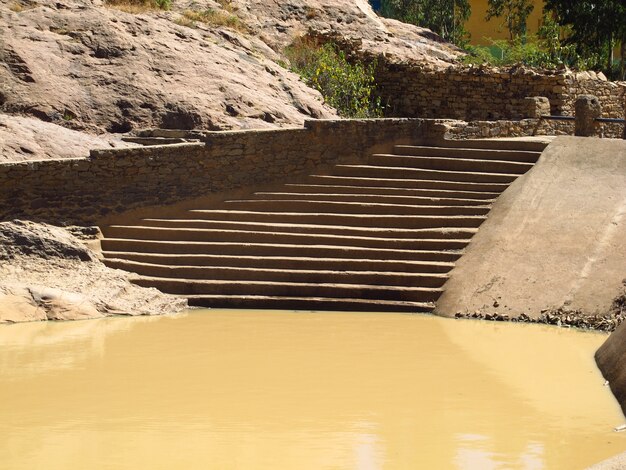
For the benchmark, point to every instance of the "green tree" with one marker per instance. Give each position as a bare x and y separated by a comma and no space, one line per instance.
544,49
596,28
445,18
513,12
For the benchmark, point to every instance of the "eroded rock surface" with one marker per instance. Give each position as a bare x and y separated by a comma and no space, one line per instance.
48,274
27,138
83,65
88,67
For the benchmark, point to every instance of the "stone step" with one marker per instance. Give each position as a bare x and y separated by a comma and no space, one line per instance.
285,262
371,199
526,145
342,207
450,164
385,172
267,249
151,141
346,219
218,235
280,275
307,303
407,182
324,189
289,289
468,153
278,227
381,236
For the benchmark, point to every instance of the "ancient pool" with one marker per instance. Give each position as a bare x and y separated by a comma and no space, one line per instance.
219,389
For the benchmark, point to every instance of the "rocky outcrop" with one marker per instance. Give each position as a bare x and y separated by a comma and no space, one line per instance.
86,66
611,357
46,273
27,138
92,68
351,22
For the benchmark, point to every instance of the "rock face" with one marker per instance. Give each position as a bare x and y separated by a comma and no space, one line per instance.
89,67
611,360
352,21
48,274
19,238
86,66
28,138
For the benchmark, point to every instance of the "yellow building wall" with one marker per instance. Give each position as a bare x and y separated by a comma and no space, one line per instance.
480,29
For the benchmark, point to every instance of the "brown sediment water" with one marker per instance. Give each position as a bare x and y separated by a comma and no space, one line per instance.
219,389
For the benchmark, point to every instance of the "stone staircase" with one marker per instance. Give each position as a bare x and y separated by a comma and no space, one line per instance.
380,236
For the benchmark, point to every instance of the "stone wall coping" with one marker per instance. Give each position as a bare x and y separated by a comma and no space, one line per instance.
35,164
235,132
147,150
309,122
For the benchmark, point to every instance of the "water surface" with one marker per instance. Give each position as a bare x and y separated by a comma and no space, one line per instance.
274,390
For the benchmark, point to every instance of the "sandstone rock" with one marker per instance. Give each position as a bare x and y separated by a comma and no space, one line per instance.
88,67
16,305
41,240
47,274
61,305
84,66
28,138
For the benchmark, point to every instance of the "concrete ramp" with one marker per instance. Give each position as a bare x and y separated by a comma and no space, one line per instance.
555,238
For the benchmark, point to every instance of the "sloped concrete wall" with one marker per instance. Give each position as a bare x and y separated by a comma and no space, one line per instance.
555,238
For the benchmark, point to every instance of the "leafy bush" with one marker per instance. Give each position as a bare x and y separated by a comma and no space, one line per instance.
347,87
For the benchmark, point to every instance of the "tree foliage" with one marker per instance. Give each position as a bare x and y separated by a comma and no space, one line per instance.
513,12
595,27
445,18
546,49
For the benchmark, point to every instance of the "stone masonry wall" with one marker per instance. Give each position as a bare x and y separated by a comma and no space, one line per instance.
508,128
79,191
486,93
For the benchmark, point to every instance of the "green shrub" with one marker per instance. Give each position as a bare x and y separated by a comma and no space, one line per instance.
347,87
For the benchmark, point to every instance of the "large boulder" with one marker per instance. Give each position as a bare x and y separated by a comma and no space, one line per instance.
46,273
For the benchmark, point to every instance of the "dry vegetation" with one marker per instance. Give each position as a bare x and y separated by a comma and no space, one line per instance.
139,6
225,17
20,6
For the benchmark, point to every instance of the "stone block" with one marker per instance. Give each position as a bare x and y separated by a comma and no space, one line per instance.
536,106
588,108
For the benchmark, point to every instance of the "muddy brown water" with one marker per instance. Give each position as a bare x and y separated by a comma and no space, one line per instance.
277,390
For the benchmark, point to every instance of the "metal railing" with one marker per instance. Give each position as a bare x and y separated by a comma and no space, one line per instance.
616,120
573,118
602,120
558,118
